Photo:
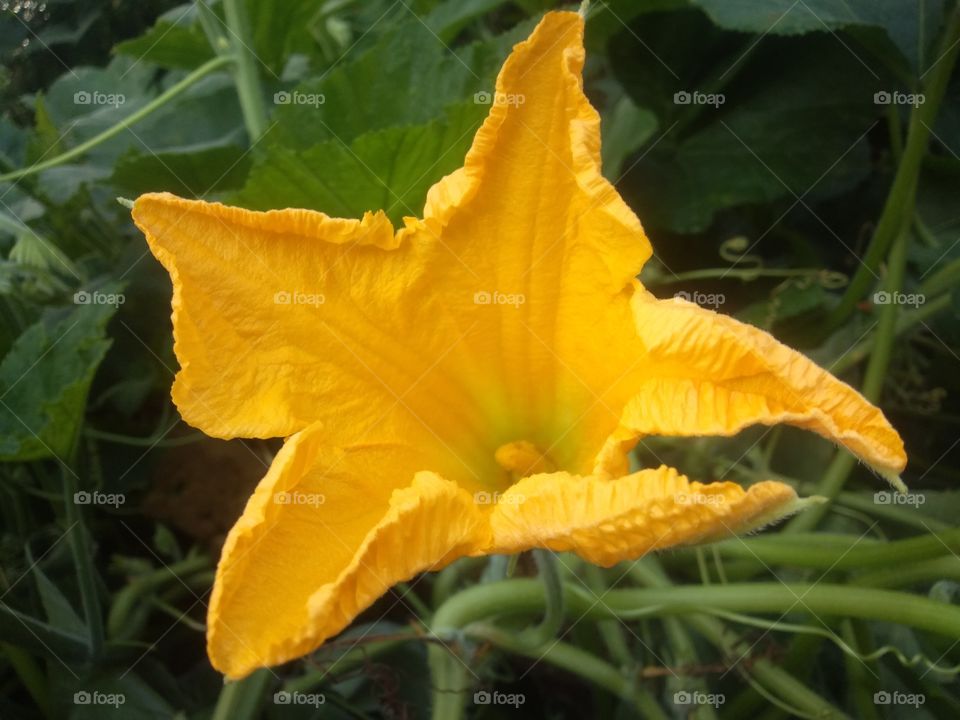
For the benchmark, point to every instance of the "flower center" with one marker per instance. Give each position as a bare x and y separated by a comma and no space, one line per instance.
522,458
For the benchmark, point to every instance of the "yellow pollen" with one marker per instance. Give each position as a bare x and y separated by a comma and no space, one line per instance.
522,458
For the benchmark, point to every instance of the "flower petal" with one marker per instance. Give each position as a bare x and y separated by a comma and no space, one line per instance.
607,520
327,532
289,317
708,374
540,252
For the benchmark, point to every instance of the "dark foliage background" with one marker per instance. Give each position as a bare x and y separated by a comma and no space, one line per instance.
767,145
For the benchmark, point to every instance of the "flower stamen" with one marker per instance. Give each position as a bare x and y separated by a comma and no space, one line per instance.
521,458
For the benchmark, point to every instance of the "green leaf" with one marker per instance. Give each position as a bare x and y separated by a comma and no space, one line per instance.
626,129
408,77
449,18
60,614
175,41
281,28
389,169
787,125
189,172
45,377
907,24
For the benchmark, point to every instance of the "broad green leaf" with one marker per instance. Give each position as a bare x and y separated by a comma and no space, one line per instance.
909,25
93,99
188,172
176,41
408,77
390,169
626,128
787,127
280,28
449,18
45,378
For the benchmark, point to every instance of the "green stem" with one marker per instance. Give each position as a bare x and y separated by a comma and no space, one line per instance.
860,681
83,563
761,674
610,630
906,321
820,599
349,660
748,274
246,76
840,552
893,513
944,280
886,330
834,478
155,104
579,662
241,699
526,596
119,624
905,575
151,442
553,616
899,207
839,470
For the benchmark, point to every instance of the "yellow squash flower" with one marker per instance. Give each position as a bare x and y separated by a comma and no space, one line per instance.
469,384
